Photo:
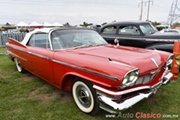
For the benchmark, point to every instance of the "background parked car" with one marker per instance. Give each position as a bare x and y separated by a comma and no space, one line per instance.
170,31
138,34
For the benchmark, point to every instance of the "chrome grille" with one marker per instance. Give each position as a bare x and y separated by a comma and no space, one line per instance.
145,79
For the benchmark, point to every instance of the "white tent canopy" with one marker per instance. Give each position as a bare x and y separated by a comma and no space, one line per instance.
46,24
35,24
57,24
20,24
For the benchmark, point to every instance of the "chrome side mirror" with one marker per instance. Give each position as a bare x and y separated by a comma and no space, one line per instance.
116,41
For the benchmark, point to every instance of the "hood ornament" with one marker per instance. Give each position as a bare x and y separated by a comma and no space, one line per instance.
154,61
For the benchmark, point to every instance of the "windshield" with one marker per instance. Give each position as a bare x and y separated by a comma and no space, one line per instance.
147,28
64,39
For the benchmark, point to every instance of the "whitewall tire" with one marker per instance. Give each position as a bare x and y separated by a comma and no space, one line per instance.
85,97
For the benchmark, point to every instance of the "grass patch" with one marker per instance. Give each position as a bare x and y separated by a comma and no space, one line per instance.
2,50
27,97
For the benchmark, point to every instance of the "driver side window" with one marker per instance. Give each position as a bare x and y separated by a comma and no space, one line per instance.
128,30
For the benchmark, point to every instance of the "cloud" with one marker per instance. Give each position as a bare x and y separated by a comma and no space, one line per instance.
78,11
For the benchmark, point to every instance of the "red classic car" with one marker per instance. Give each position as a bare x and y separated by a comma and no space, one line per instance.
98,74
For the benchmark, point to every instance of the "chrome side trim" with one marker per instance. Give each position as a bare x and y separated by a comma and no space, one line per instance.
129,38
22,58
166,40
41,56
38,55
18,49
87,70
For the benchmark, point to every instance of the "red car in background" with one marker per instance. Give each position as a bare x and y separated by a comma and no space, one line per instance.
98,74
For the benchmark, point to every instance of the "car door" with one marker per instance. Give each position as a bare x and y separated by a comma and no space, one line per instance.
40,56
130,35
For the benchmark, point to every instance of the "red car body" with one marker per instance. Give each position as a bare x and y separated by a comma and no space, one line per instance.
99,75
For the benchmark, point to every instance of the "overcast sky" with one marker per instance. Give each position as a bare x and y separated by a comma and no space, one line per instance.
78,11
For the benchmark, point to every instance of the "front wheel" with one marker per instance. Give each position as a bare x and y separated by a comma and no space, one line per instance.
85,97
19,66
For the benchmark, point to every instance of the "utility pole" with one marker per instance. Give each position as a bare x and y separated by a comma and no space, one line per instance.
141,10
144,3
149,1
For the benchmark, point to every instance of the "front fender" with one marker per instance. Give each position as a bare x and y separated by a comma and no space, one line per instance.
68,78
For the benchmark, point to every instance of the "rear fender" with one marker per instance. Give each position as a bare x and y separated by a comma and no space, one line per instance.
15,48
14,42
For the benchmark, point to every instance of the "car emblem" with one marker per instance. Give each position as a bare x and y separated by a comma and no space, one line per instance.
154,61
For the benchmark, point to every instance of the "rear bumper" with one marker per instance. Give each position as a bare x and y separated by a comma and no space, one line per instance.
108,104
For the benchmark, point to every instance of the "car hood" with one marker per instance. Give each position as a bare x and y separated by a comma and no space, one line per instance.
124,57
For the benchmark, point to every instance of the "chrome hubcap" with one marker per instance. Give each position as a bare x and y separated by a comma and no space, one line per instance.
83,96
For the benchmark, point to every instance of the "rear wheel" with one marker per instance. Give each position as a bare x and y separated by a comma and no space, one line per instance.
19,66
85,97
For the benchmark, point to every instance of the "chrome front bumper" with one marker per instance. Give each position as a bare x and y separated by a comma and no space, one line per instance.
107,103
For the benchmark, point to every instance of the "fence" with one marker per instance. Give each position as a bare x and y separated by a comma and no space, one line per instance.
16,36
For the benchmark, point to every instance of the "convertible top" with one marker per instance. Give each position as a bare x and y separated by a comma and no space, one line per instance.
28,35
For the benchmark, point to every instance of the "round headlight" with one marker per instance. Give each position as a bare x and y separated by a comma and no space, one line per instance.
130,78
125,80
